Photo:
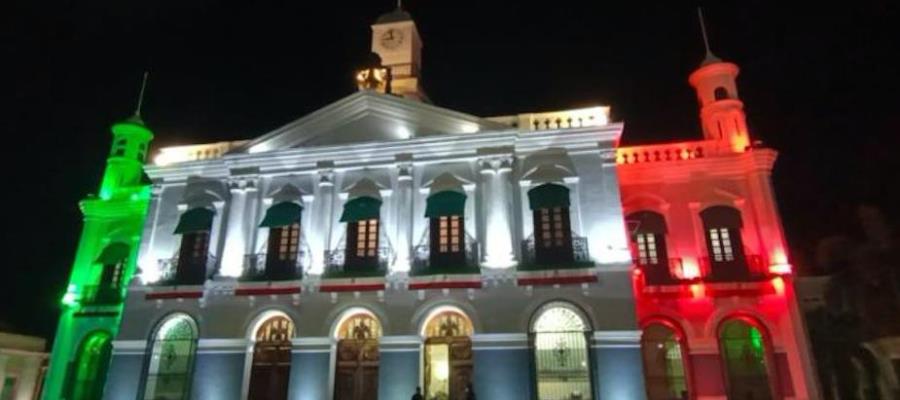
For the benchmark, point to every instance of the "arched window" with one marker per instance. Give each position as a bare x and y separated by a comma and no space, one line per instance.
561,357
649,241
721,93
282,257
745,357
193,255
356,375
446,213
448,355
271,369
112,262
362,216
552,229
722,226
664,367
118,149
171,360
87,373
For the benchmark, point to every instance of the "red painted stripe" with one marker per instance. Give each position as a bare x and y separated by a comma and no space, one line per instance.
266,290
709,292
557,280
352,288
174,295
445,285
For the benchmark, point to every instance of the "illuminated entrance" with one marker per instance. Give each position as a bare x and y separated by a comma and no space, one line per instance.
356,375
448,356
745,357
663,357
88,372
271,369
561,358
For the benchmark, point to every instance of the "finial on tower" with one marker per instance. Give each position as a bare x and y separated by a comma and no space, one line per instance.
710,57
140,102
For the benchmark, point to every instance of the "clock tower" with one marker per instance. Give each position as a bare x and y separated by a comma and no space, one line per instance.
396,40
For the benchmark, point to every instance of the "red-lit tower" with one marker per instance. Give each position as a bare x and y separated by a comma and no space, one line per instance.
712,281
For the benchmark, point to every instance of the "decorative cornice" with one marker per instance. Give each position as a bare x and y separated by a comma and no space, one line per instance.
424,150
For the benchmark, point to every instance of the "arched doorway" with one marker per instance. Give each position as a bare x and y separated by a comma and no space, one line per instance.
88,371
271,368
448,355
561,358
745,357
664,367
356,375
172,359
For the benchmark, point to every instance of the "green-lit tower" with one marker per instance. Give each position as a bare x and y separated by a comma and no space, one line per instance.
104,264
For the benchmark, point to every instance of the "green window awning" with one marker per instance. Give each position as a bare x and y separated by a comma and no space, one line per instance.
113,254
361,208
445,203
282,214
548,195
195,219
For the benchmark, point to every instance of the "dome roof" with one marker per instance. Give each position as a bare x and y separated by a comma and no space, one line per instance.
397,15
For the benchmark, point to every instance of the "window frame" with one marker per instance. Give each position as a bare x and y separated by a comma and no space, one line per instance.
365,254
553,241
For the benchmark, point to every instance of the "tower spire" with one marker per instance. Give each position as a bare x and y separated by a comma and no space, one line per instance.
140,102
710,57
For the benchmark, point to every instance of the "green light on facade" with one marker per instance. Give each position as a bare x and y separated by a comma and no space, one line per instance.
115,216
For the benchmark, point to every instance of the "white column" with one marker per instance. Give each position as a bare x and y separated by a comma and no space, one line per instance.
28,379
498,241
148,256
404,218
232,263
320,237
252,217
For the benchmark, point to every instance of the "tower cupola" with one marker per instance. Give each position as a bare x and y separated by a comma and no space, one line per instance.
721,110
125,163
396,41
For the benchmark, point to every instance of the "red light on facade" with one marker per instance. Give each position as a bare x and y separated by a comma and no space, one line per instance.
781,269
690,270
778,285
698,290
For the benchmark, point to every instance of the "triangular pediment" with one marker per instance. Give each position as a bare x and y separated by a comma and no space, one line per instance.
368,116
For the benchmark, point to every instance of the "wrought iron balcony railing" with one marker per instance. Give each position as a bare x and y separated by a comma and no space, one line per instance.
580,255
424,264
258,267
100,295
337,265
171,273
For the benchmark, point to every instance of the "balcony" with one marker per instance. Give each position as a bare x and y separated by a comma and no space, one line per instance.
422,261
336,266
97,295
173,274
258,268
581,257
749,269
676,272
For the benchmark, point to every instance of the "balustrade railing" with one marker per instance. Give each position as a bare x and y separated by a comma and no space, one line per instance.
667,152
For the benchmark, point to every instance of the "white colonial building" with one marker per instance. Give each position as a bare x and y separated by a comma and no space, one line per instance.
383,243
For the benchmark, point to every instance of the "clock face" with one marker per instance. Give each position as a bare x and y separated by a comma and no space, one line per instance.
391,39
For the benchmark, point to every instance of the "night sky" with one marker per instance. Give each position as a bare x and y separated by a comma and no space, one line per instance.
819,83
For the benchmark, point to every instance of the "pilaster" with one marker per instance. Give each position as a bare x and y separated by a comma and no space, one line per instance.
498,241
